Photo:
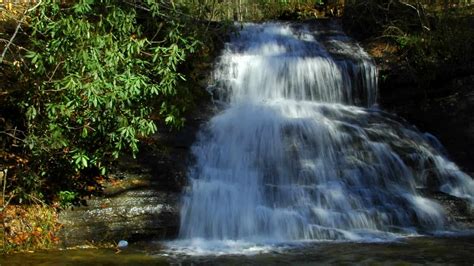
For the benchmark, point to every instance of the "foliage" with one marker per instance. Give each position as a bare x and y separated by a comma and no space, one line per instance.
66,198
255,10
29,227
446,51
366,19
434,40
95,71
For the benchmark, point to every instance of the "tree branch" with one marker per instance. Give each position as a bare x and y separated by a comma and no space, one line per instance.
5,49
417,12
11,39
12,136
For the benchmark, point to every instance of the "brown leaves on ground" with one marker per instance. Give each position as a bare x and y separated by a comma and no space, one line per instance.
379,48
29,227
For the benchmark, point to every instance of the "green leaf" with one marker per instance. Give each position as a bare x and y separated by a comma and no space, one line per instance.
96,69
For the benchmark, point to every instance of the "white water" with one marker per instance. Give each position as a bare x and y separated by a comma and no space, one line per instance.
301,153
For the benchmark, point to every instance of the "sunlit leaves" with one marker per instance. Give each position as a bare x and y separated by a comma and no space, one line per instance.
80,159
96,75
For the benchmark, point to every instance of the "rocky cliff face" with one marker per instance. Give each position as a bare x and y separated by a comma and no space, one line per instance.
444,110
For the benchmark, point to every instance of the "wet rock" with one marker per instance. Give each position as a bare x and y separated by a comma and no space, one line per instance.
130,212
447,114
459,211
444,110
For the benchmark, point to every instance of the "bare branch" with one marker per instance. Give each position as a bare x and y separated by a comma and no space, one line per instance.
5,49
54,71
11,39
12,136
417,12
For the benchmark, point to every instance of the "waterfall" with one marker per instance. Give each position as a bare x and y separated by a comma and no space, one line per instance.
300,150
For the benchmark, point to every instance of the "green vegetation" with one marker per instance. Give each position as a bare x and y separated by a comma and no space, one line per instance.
99,71
66,198
85,87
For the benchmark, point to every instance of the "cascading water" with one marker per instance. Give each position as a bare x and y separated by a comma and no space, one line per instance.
292,157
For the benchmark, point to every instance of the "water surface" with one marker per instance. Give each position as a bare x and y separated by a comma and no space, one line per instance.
417,250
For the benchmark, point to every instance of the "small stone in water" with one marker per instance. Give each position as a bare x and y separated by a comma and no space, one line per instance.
122,244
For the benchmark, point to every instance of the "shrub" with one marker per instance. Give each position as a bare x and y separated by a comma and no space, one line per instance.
96,69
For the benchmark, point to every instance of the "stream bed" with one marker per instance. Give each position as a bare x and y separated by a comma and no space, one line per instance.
458,250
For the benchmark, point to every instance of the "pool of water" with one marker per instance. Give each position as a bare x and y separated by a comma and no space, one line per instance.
457,250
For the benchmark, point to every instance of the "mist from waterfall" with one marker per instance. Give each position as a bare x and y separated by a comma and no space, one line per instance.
300,151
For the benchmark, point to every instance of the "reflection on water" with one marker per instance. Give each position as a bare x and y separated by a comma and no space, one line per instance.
447,250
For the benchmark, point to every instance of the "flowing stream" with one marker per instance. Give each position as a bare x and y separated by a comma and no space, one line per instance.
300,151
